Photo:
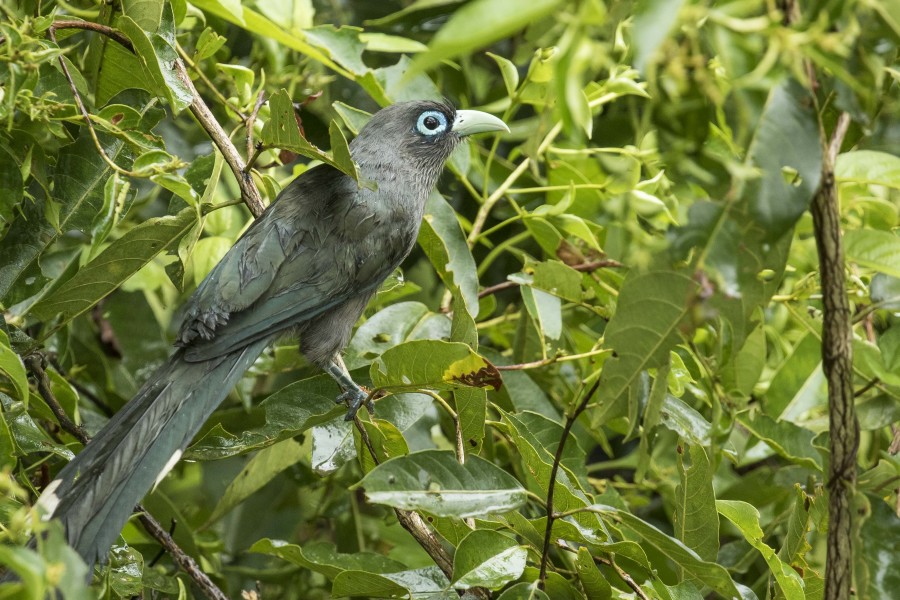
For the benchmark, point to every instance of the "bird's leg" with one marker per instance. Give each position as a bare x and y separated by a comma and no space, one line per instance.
351,393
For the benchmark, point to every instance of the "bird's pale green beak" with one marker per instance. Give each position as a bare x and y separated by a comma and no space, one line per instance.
474,121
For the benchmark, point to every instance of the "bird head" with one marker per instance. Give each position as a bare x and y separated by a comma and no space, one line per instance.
423,133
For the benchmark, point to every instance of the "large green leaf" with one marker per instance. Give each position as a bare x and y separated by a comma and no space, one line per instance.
651,308
290,411
392,326
478,24
113,266
787,153
433,481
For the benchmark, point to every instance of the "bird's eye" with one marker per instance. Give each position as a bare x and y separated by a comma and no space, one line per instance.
431,122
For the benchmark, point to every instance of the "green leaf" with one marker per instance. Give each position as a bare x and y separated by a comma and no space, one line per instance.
354,583
746,518
592,580
787,153
261,469
322,557
478,24
288,412
433,364
354,118
878,543
12,367
428,582
877,250
442,239
795,545
695,568
545,311
487,559
869,167
653,22
471,409
433,481
651,308
29,438
391,327
208,44
282,131
157,54
113,266
342,45
382,42
696,519
791,441
414,7
509,72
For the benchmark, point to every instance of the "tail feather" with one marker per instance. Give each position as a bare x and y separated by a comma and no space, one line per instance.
94,495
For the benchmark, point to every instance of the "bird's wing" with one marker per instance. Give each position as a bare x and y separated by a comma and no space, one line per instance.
292,264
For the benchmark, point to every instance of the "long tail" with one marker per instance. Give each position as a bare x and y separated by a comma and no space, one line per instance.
94,495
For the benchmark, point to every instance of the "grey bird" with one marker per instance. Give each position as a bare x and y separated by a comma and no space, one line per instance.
308,265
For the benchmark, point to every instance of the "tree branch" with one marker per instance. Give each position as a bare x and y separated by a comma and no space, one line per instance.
837,363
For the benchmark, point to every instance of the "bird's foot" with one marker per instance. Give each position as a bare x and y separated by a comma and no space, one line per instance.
355,397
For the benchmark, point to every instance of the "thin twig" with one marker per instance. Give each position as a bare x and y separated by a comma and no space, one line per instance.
551,487
551,360
152,526
629,581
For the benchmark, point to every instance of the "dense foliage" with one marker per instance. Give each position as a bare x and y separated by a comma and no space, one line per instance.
631,271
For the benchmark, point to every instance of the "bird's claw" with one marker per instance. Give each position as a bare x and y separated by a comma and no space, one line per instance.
355,398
